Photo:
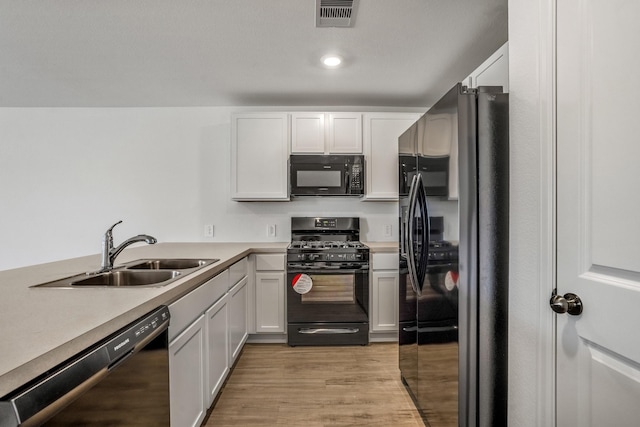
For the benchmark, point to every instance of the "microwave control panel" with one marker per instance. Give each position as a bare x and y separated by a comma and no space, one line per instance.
356,181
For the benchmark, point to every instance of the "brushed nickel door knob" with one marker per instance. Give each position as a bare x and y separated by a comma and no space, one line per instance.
569,303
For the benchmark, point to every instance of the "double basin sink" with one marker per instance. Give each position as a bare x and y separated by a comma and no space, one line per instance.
140,273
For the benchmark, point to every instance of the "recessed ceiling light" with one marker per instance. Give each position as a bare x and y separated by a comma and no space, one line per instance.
331,61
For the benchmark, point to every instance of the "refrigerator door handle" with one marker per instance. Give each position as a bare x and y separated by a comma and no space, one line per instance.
411,260
423,262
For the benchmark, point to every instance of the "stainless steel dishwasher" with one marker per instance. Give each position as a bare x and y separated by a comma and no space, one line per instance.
121,381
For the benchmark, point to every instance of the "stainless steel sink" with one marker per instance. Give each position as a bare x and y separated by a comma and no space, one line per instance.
170,264
139,273
128,278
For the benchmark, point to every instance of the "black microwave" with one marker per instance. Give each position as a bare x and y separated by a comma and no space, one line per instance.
434,171
326,175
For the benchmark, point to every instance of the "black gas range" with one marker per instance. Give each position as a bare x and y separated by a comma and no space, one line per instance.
328,282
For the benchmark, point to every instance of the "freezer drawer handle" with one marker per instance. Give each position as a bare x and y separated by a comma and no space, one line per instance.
439,329
328,330
431,329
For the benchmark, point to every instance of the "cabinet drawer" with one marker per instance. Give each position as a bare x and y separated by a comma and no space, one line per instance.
237,271
270,262
191,306
384,261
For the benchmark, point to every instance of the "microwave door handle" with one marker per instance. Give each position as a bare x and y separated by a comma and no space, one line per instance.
411,261
347,181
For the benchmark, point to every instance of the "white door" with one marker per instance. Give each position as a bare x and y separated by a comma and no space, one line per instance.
598,230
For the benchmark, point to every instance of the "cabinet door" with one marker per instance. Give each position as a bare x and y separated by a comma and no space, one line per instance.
307,133
270,302
187,376
259,154
345,133
237,319
492,72
384,299
217,345
238,271
381,133
189,307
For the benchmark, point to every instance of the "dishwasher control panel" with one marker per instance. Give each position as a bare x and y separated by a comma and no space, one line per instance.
126,341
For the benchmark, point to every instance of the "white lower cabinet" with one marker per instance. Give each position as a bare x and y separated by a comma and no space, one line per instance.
217,344
384,312
207,330
384,297
270,297
187,376
270,302
238,331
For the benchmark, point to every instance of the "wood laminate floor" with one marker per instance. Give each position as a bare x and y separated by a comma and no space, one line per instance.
278,385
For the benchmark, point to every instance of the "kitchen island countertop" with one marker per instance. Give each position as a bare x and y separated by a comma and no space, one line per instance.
42,327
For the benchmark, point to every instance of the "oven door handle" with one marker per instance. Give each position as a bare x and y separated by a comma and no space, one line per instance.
328,270
328,331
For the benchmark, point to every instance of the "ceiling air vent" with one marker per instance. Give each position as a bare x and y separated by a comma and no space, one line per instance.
335,13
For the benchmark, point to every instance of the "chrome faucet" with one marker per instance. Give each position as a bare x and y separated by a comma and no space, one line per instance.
109,252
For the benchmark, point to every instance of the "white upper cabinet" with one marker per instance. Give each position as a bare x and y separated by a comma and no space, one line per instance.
307,133
345,133
326,133
437,134
259,155
380,135
492,72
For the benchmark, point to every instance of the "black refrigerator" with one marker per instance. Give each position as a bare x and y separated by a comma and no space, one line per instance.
453,293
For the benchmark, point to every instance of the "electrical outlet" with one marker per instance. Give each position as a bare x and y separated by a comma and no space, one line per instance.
271,230
388,230
208,230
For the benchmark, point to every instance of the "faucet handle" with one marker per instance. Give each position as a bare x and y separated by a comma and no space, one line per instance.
110,230
107,239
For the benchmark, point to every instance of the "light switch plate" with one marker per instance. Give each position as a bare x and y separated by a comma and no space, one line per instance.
271,230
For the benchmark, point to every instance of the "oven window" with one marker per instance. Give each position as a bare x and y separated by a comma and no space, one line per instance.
329,178
330,288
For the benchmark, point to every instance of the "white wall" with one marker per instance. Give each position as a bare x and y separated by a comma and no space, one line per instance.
531,356
67,174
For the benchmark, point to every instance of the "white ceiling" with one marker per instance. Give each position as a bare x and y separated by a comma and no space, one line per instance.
121,53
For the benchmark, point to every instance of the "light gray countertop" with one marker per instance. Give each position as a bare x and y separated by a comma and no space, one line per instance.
382,246
42,327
